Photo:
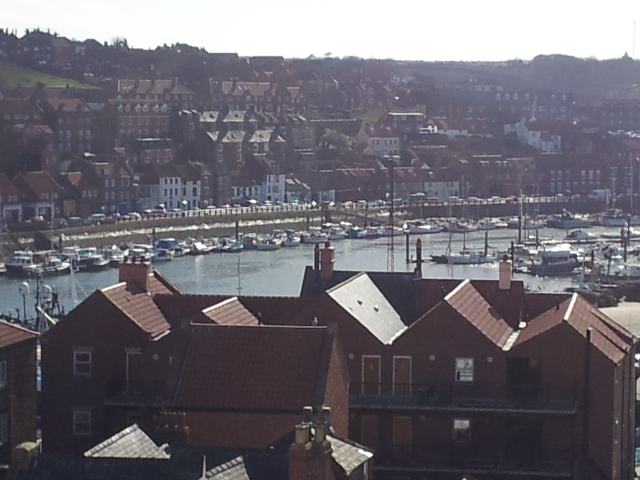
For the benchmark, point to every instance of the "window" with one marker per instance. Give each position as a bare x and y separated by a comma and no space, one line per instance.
464,369
81,421
82,362
3,373
461,430
4,428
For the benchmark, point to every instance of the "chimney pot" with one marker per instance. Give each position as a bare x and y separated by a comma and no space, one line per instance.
504,274
302,434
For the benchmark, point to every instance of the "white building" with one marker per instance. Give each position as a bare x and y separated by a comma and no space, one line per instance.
441,191
379,142
274,188
541,140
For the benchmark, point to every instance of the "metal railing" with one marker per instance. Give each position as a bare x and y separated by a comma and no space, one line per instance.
463,396
468,460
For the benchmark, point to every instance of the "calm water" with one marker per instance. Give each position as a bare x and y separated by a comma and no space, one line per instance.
280,272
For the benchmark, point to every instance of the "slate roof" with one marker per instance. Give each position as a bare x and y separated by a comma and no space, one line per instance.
238,368
131,442
362,299
10,334
37,182
468,302
347,454
232,470
230,312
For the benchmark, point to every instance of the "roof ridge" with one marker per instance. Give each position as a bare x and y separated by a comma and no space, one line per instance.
567,314
455,291
219,304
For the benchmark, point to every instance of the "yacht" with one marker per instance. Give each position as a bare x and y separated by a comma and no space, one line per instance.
568,221
21,262
580,236
466,257
556,261
421,228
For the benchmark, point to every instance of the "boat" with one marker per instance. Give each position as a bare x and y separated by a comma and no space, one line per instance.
568,221
580,236
316,235
423,228
557,261
357,232
269,244
462,227
22,263
486,224
200,248
230,245
162,255
614,217
54,265
291,239
391,231
466,257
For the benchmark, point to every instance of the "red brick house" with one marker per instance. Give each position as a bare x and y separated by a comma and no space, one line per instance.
456,376
121,358
11,199
17,388
43,196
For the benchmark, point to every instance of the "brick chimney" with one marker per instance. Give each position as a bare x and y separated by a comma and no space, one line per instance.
310,454
135,271
504,274
326,261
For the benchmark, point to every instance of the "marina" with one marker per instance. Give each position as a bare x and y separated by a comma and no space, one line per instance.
279,271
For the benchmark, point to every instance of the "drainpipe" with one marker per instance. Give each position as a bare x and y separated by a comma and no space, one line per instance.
587,391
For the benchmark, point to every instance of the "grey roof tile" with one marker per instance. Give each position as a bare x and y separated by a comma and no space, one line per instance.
362,299
131,442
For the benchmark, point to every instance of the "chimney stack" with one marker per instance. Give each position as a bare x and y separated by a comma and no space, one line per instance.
135,271
504,274
326,261
310,455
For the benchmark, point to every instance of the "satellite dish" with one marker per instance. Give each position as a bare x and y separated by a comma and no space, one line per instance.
24,289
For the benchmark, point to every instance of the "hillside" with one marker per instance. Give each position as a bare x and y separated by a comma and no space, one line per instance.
12,76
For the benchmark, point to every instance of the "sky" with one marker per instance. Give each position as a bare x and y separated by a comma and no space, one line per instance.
429,30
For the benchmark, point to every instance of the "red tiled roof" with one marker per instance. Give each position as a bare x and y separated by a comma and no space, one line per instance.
38,182
469,303
230,312
264,368
7,187
607,336
11,334
177,309
138,306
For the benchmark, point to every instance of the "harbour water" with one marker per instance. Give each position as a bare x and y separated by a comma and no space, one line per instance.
280,272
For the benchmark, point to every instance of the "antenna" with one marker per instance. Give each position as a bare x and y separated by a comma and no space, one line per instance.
390,230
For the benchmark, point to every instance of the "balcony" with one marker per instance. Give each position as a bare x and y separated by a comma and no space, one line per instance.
135,393
456,460
463,396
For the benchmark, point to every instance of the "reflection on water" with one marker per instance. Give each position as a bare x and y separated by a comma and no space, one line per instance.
280,272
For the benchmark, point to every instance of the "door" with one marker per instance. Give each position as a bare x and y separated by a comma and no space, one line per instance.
370,375
524,380
402,376
402,437
369,436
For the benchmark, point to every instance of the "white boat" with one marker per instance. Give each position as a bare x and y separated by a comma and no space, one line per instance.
423,228
269,244
463,227
486,224
316,235
469,258
162,255
580,235
291,239
390,231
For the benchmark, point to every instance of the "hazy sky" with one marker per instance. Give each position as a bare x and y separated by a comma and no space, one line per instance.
401,29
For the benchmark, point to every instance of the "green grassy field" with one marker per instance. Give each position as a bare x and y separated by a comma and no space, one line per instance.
12,76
